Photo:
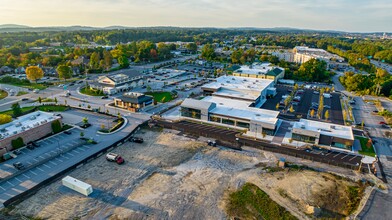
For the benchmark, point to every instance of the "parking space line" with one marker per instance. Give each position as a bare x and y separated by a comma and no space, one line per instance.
2,188
337,155
58,159
70,154
53,163
25,176
10,183
345,156
51,142
75,151
64,157
33,172
35,159
42,157
18,179
40,169
353,157
81,149
83,146
46,166
328,153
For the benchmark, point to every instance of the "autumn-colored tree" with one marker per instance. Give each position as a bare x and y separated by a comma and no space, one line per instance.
312,113
291,109
4,118
34,73
277,106
326,115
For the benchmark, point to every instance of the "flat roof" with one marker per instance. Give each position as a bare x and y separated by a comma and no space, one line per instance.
324,128
239,86
240,109
26,122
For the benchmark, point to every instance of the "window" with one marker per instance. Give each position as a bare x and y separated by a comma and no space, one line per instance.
228,121
191,113
303,138
243,124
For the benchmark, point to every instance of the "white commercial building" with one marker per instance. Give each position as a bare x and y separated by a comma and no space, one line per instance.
262,71
325,134
304,54
241,88
233,113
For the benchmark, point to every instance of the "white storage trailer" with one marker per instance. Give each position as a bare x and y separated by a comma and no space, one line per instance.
77,185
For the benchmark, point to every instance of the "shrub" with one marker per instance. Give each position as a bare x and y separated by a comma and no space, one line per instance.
17,143
56,126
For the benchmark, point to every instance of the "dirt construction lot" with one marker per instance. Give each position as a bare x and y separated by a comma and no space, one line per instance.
170,176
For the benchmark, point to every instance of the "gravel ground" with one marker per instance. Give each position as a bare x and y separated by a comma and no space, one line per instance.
169,176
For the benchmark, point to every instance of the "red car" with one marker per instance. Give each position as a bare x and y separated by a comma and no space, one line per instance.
382,123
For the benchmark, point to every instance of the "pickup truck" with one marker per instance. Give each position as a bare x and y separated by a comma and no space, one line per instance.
112,157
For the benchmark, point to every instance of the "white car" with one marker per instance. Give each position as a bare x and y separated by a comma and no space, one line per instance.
61,85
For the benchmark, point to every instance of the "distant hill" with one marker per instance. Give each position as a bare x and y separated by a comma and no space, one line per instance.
13,26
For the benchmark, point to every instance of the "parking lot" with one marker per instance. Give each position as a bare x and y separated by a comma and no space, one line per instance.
48,147
304,101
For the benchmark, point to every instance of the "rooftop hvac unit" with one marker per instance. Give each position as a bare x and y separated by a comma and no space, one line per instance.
77,185
333,127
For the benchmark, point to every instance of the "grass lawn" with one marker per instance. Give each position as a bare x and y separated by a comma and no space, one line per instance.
250,202
52,108
21,93
161,96
24,109
3,94
45,108
91,92
368,151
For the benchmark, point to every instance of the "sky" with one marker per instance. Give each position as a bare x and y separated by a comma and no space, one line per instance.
344,15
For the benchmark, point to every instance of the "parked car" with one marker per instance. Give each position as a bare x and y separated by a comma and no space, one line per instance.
375,111
30,146
382,123
18,165
25,99
112,157
211,143
136,140
35,144
327,106
105,97
17,152
67,132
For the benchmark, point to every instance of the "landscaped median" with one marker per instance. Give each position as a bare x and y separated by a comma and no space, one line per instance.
121,123
3,94
366,145
45,108
87,90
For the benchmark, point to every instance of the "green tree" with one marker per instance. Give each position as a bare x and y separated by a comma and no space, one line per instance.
64,71
312,70
208,52
123,62
107,59
192,47
55,100
81,134
85,120
17,111
94,60
34,73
